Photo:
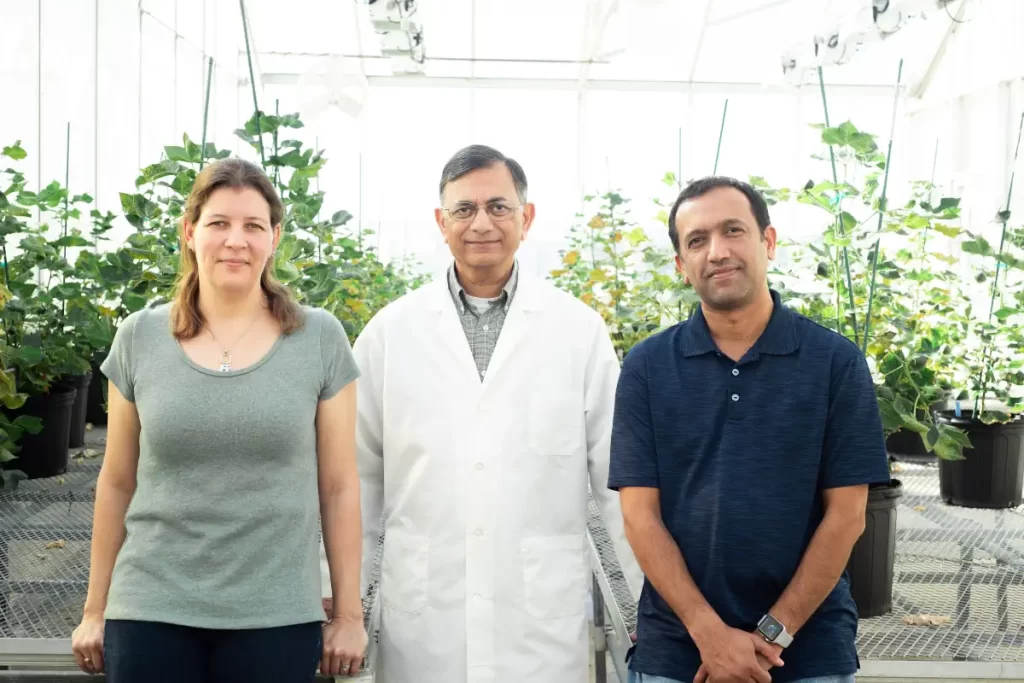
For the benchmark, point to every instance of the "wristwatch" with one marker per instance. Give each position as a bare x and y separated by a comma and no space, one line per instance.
773,631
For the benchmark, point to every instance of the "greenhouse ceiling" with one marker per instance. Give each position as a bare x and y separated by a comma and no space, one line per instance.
655,44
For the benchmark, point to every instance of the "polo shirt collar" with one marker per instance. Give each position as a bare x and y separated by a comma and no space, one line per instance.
779,337
458,292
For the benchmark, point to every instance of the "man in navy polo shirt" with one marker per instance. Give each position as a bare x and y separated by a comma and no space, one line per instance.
744,441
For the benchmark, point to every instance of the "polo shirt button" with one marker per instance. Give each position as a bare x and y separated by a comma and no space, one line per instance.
735,397
735,372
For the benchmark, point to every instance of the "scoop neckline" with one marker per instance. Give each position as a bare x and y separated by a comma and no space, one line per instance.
230,373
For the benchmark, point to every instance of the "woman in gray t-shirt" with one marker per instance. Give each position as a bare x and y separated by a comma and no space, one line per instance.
231,434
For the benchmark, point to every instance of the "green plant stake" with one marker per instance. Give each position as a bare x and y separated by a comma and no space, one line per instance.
721,132
881,210
1004,215
927,228
67,192
252,81
839,224
206,110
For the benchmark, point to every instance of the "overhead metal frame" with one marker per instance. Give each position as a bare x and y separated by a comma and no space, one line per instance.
617,85
918,89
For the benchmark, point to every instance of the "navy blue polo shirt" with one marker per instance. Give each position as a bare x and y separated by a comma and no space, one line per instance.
741,453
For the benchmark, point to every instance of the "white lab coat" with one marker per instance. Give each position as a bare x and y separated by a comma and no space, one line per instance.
482,486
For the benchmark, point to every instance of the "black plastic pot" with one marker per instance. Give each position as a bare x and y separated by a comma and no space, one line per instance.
81,384
873,559
96,400
46,454
991,475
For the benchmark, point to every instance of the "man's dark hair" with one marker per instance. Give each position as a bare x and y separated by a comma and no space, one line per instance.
700,187
475,157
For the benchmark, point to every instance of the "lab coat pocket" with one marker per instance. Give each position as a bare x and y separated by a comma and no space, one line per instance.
404,571
555,424
554,576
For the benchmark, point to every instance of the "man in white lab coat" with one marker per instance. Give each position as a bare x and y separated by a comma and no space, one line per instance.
485,409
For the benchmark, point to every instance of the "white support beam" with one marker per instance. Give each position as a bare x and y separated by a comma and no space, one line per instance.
747,12
700,39
599,84
918,89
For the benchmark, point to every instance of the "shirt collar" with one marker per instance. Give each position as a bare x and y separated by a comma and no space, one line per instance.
459,293
779,338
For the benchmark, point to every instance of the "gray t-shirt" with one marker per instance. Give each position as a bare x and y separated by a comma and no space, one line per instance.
223,529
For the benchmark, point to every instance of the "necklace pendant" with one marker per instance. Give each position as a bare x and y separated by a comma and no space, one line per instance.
225,362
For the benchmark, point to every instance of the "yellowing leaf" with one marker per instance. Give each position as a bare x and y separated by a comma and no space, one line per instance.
587,298
636,236
598,275
571,258
597,222
357,305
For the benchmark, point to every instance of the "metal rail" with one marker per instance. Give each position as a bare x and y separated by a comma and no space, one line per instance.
611,635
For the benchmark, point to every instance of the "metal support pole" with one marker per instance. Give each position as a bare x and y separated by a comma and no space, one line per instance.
600,641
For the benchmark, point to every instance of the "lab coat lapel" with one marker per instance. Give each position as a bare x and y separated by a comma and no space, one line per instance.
450,332
516,326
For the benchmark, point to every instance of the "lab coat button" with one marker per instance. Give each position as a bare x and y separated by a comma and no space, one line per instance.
478,532
479,465
477,598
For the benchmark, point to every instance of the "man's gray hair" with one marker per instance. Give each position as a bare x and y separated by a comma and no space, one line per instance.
476,157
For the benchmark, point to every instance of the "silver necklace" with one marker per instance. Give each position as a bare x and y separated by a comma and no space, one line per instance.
225,355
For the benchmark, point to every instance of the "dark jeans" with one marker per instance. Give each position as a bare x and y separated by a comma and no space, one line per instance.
150,652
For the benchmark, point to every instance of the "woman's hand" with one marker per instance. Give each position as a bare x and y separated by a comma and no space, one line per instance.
345,642
87,644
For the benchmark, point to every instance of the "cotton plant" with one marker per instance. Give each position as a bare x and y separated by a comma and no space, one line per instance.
614,265
872,277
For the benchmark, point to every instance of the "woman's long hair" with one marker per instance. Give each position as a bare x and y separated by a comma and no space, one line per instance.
186,319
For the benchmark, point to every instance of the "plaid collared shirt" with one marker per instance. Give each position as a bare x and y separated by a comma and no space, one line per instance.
482,327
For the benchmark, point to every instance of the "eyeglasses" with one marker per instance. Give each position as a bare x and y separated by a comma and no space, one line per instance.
496,210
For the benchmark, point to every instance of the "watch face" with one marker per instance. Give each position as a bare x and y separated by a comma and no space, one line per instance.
770,628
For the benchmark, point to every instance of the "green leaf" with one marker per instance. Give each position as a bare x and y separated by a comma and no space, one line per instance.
287,272
177,153
71,241
15,151
341,218
28,423
947,449
27,355
14,401
891,420
958,435
978,245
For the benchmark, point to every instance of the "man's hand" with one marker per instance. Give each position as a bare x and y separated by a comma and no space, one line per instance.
735,656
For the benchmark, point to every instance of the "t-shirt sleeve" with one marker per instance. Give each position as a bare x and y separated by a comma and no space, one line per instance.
854,450
634,459
339,364
119,365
